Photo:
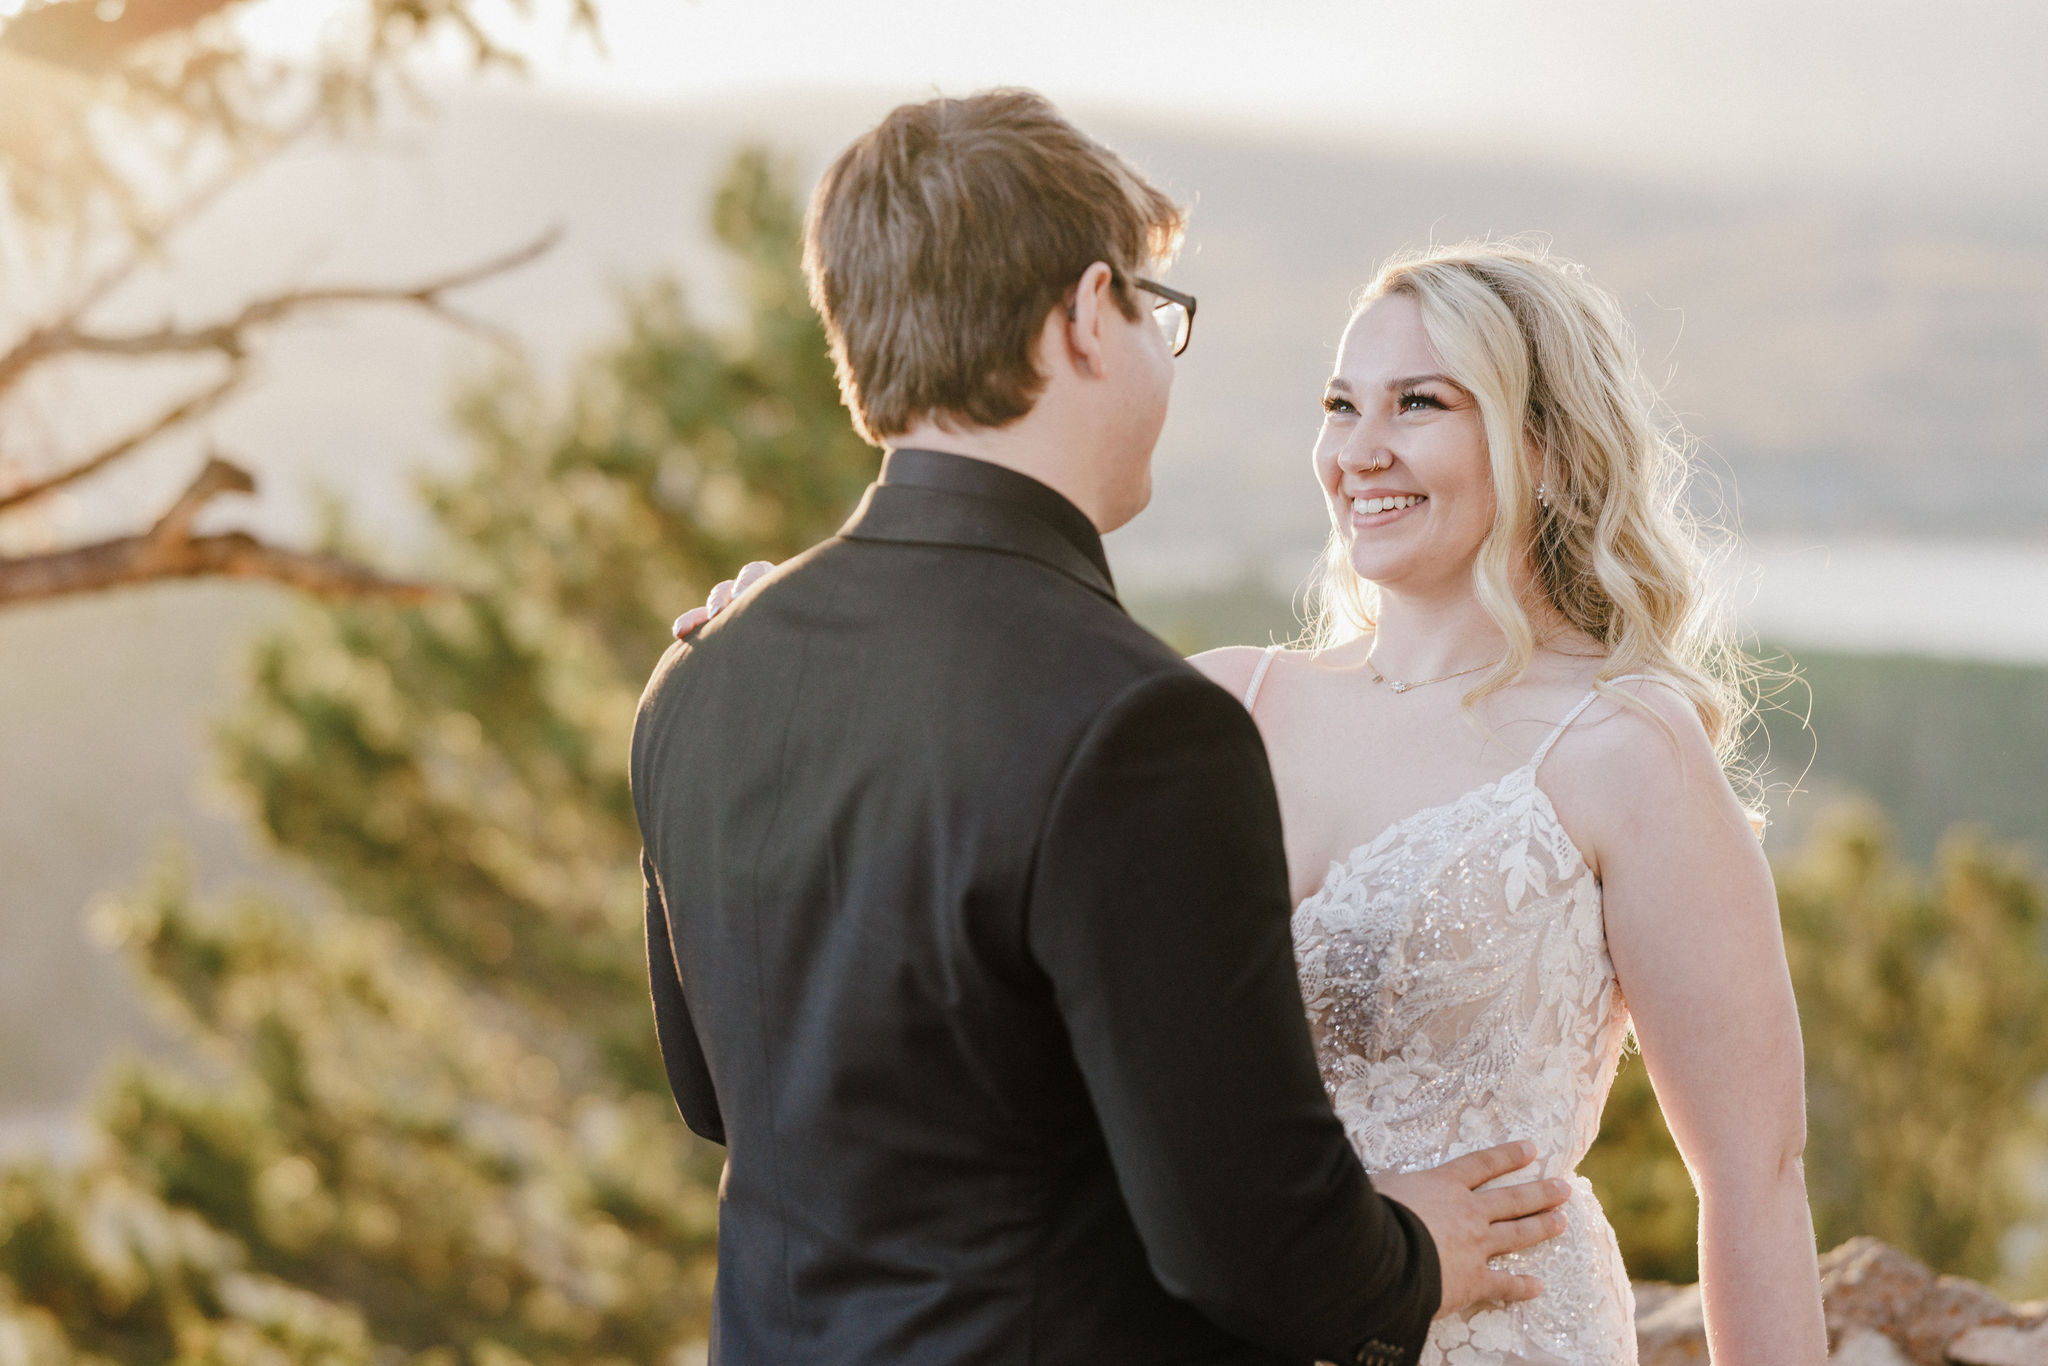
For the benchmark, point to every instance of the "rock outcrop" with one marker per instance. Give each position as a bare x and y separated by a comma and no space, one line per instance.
1883,1309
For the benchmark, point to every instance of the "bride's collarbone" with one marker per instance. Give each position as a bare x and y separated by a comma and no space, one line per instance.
1349,776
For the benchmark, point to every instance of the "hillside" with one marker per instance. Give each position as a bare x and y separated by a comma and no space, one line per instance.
1853,362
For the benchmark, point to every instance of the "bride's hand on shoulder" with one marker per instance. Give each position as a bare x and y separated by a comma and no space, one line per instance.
721,597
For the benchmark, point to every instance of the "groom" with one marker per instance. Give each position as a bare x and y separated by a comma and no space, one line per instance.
967,913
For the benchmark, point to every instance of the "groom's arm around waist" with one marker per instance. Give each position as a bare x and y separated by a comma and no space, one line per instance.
1159,909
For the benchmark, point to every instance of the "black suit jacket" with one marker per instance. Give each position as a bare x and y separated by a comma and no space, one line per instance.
967,919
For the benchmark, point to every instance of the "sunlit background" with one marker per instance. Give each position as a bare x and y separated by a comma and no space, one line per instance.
1828,220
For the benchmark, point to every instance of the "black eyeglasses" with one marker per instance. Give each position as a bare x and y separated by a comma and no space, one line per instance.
1175,313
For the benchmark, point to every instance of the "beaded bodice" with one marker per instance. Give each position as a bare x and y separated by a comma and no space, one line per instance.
1460,994
1456,976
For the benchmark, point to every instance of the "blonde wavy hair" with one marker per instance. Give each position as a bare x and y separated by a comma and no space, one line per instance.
1612,547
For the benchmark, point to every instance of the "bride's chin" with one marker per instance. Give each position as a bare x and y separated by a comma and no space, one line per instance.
1416,570
1376,568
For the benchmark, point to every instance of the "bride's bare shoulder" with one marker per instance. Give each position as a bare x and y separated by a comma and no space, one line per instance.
1651,746
1230,667
1233,666
1636,775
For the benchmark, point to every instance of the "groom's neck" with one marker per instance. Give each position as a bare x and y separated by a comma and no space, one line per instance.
1062,460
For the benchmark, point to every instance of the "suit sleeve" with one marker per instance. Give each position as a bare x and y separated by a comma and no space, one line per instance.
1159,910
689,1077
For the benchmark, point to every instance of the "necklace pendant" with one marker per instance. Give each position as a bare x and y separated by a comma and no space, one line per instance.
1399,686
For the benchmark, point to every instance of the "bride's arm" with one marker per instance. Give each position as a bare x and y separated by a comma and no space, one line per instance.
1692,923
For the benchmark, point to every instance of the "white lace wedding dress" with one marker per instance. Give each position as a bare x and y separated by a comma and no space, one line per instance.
1460,993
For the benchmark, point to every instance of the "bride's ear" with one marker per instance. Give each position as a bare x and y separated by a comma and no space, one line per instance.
1536,466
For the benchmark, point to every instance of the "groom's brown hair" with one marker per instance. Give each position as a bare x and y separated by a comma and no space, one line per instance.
936,245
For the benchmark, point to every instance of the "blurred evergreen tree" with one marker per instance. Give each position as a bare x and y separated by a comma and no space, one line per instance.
1643,1186
1922,1001
432,1124
1925,1001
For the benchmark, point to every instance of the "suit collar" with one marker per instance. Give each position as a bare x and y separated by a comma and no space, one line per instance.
935,498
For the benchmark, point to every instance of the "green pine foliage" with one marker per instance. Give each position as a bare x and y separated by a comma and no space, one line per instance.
429,1122
1921,998
1643,1186
1926,999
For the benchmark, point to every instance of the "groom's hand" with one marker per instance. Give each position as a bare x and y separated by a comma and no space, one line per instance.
1471,1225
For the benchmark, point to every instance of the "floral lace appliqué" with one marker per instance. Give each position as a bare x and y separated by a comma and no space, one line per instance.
1460,994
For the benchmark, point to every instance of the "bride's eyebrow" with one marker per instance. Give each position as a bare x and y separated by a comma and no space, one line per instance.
1413,380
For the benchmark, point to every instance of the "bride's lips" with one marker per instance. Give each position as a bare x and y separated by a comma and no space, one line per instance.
1383,507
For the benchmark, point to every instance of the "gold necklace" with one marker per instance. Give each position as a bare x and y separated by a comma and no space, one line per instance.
1400,686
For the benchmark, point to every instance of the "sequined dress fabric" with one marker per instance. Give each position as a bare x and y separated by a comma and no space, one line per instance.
1460,993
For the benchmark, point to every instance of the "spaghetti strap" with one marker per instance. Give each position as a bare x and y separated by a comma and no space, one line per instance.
1251,693
1543,750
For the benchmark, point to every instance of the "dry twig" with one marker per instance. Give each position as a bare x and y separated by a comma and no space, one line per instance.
229,336
168,550
194,407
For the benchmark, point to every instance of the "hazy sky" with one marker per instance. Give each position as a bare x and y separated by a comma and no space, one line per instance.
1943,91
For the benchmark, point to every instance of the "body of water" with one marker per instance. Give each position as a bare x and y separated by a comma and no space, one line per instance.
1945,599
1942,599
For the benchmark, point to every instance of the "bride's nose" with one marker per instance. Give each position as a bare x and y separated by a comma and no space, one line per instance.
1363,453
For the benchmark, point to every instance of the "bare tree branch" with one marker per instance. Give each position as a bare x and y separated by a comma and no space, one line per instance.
229,336
219,476
194,407
168,550
149,240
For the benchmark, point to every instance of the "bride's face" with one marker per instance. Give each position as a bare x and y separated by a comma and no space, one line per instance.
1402,455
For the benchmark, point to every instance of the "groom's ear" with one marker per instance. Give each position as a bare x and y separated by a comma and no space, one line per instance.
1087,313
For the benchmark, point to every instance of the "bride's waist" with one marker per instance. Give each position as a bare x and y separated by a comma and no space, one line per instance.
1588,1240
1550,1163
1400,1121
1391,1145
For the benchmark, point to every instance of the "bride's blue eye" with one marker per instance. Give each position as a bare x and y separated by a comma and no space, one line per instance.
1419,399
1333,404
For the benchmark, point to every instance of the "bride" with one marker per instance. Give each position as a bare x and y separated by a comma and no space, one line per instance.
1508,829
1501,772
